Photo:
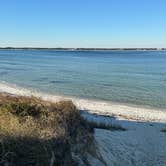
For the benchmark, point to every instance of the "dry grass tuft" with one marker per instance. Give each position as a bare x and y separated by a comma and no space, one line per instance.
36,132
114,127
163,130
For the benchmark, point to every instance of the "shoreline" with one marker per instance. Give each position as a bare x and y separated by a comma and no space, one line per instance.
122,111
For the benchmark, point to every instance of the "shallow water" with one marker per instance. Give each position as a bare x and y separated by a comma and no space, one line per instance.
132,77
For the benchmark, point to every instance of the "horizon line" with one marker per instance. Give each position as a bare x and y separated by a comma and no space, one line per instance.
87,48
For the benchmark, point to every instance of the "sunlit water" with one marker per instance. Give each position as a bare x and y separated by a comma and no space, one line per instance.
132,77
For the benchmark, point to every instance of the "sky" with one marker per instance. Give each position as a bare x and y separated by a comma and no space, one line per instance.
83,23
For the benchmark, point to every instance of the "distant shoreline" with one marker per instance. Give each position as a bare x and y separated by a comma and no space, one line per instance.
83,49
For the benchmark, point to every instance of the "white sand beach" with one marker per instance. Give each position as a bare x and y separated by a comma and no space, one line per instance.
142,144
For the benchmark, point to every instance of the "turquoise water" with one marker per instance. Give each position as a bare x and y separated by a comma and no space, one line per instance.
134,77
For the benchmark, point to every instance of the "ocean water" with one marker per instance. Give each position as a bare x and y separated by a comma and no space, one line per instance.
131,77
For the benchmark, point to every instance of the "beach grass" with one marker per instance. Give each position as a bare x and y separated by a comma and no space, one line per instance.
112,127
163,130
36,132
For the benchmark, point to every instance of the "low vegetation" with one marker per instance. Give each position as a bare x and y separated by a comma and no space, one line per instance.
163,130
114,127
40,133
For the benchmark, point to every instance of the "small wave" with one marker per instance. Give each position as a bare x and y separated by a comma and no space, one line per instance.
93,106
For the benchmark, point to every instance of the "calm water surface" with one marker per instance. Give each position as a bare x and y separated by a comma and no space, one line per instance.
134,77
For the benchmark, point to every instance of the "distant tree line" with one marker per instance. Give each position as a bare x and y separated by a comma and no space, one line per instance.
77,49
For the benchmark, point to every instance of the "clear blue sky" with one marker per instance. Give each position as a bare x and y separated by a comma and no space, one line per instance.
83,23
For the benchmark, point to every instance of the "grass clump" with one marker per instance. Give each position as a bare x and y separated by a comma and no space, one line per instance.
163,130
100,125
40,133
